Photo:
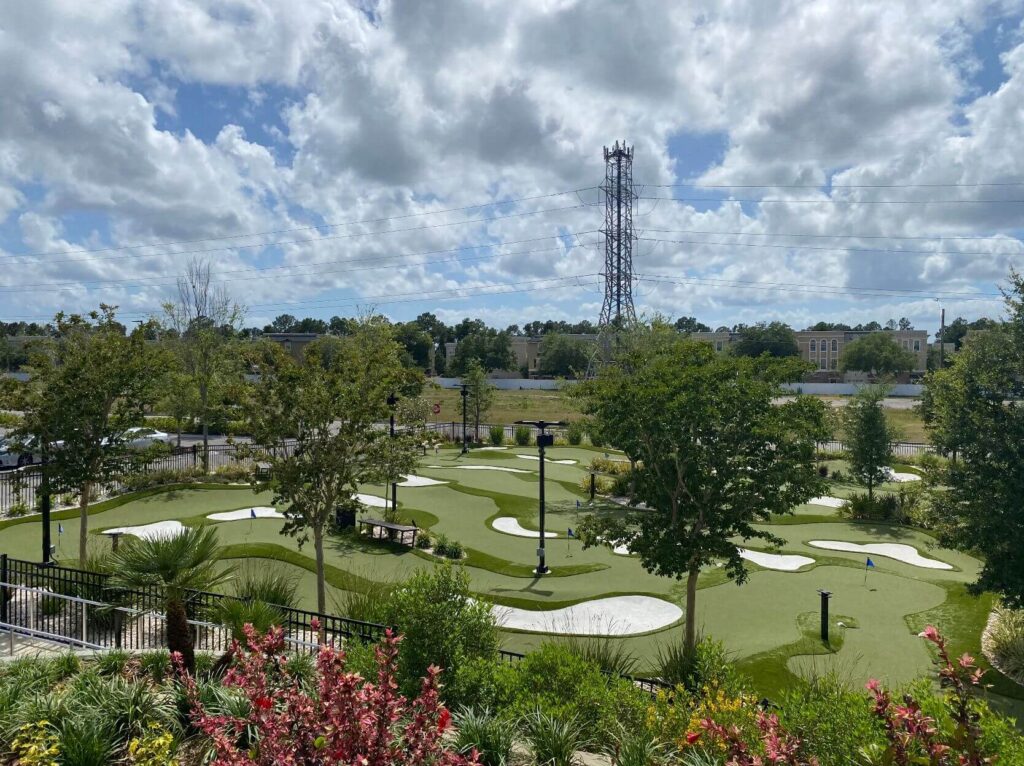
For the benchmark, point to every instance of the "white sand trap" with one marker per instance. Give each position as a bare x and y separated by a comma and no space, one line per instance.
419,481
622,550
781,562
511,526
905,553
156,531
547,460
485,449
372,500
828,501
616,616
488,468
262,512
902,477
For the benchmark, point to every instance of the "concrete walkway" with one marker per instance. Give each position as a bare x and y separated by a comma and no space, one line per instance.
27,646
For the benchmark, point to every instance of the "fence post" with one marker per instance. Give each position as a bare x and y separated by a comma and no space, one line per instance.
118,624
3,590
195,455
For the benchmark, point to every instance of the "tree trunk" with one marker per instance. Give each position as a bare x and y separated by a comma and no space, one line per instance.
691,610
83,523
318,546
179,634
204,396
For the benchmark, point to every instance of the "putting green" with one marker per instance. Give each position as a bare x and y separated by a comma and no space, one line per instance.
764,623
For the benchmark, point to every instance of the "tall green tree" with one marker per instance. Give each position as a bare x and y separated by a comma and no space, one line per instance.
202,322
174,565
868,436
973,410
87,385
773,338
490,348
878,354
714,456
331,405
565,356
480,395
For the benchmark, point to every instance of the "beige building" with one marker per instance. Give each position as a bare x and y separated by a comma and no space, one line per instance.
822,348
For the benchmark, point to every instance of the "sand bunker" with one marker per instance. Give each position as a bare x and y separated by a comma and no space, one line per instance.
157,531
828,501
262,512
511,526
372,500
547,460
482,468
485,449
905,553
779,561
419,481
616,616
902,477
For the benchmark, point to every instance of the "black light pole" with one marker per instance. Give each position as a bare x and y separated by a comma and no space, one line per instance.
44,507
465,396
543,441
825,596
392,401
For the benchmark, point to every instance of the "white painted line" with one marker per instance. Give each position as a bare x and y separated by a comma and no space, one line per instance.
547,460
511,526
262,512
615,616
779,561
905,553
157,531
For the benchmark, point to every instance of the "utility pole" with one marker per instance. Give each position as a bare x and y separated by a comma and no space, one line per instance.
544,440
619,200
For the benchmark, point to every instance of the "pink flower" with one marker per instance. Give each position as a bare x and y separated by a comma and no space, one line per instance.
931,634
692,737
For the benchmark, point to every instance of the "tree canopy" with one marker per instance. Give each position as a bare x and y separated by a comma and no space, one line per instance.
714,456
690,324
869,437
878,354
773,338
490,348
564,356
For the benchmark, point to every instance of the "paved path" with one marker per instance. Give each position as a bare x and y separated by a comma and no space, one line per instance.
25,646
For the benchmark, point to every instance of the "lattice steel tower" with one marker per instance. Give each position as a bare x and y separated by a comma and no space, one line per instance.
619,199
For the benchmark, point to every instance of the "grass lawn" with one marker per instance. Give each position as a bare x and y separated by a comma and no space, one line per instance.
509,406
769,623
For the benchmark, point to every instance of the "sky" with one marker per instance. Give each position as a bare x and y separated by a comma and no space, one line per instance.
794,161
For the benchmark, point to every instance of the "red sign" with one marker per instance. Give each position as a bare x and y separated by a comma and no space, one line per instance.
437,408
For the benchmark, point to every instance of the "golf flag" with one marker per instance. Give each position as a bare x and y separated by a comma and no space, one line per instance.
571,534
60,529
870,564
577,503
252,513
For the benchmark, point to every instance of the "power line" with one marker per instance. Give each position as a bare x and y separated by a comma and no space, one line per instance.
824,236
839,248
695,185
320,239
76,285
830,201
305,228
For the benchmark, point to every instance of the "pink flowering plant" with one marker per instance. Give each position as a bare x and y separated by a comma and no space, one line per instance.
780,747
347,720
914,737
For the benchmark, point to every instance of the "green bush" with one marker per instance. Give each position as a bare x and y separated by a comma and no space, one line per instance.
596,439
18,510
553,739
574,433
493,736
162,477
881,507
497,435
1006,642
423,541
441,625
708,665
447,548
609,654
522,435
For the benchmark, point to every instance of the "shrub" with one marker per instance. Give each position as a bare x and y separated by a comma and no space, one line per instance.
423,540
881,507
491,735
522,435
273,584
574,433
348,720
449,549
36,744
1005,642
162,477
554,740
596,439
609,654
441,624
497,435
18,509
823,471
707,666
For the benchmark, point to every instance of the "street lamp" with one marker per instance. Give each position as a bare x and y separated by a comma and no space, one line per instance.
392,401
543,441
465,396
825,596
44,504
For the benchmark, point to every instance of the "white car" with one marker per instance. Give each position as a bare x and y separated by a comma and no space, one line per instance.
141,437
14,456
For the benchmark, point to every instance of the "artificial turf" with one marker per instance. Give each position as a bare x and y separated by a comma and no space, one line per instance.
763,623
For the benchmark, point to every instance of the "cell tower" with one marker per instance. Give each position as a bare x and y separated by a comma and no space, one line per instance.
619,198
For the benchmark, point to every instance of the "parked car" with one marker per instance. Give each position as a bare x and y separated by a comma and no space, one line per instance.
14,455
142,437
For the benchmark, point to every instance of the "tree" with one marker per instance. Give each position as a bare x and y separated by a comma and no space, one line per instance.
878,354
88,384
416,343
480,395
828,326
972,409
331,405
690,324
281,323
869,437
565,356
203,319
774,338
905,324
490,348
174,564
713,455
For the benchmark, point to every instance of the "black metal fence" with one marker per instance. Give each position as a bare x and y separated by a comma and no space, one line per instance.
899,449
81,607
452,431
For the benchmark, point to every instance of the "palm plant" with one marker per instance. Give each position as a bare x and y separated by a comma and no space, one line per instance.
173,565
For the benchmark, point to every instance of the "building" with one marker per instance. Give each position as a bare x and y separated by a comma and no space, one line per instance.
822,348
294,343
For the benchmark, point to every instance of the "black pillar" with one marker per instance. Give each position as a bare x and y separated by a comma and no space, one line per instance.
542,439
825,596
465,396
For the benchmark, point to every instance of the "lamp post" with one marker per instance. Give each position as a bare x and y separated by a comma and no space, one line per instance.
44,505
392,401
544,440
465,396
825,596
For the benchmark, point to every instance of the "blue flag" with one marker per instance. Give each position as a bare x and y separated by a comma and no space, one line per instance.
252,513
577,503
60,529
571,532
870,564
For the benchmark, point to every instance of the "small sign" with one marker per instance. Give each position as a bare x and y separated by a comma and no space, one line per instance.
545,440
437,408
